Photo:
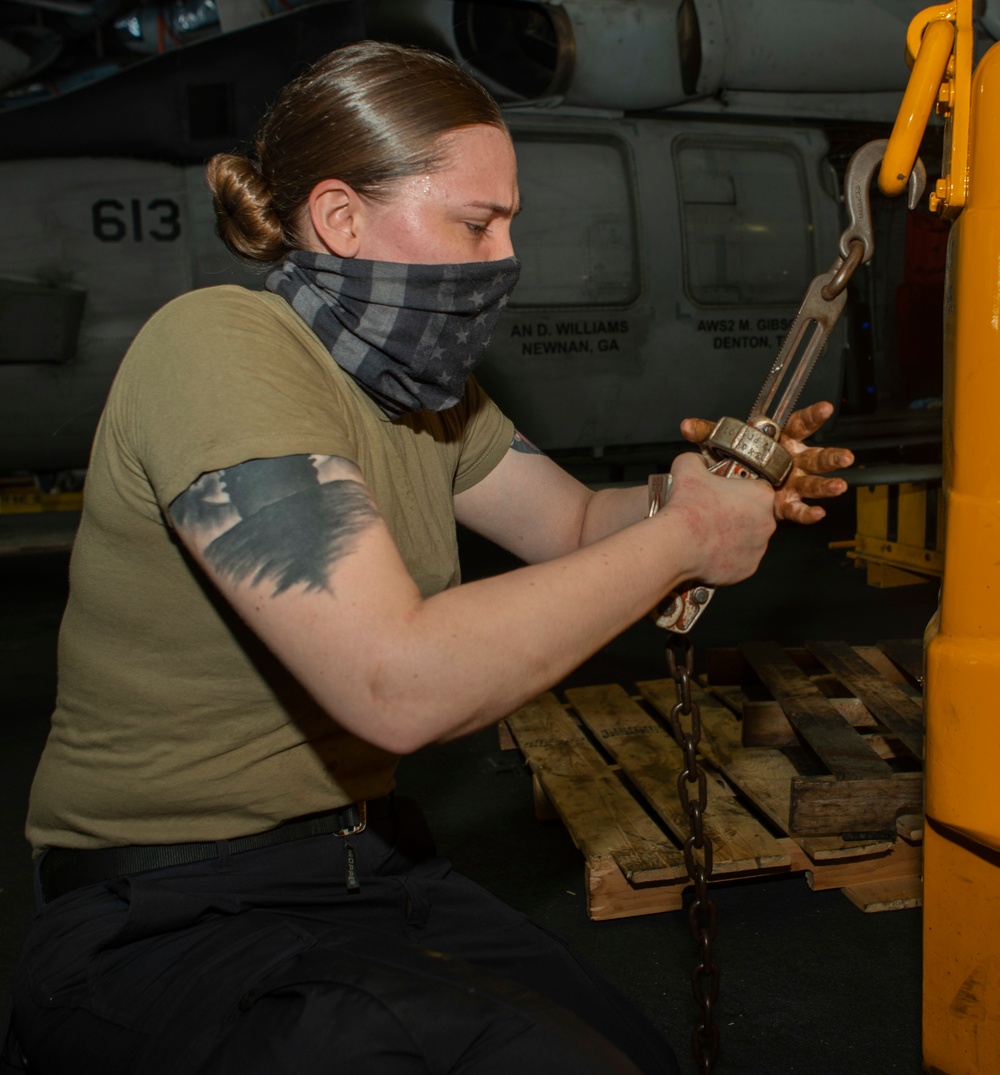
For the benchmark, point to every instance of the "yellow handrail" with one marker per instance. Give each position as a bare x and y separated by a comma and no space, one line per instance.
915,31
921,94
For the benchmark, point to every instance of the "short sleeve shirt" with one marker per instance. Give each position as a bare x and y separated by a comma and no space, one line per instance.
173,722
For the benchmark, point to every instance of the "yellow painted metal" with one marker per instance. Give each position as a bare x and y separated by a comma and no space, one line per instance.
911,516
918,102
920,22
873,510
953,103
961,968
25,498
907,555
962,661
966,652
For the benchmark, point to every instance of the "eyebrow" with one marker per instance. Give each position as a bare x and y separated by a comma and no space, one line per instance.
494,207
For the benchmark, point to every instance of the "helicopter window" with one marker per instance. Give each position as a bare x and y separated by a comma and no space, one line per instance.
39,322
747,239
576,232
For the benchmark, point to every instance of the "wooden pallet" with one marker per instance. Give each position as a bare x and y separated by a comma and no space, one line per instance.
813,764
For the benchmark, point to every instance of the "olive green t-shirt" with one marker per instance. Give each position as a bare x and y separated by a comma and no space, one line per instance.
173,722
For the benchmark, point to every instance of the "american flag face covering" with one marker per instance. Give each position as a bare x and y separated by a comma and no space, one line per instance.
410,335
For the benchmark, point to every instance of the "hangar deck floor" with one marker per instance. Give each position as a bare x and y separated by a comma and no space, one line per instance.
809,982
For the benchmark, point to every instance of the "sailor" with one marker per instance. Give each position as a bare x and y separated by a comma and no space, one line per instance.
265,613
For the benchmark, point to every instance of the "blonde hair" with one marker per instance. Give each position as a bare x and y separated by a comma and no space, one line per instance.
370,114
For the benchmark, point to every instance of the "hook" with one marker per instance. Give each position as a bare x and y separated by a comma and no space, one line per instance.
857,195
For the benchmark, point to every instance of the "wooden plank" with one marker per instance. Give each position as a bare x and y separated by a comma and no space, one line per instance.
505,741
600,814
910,826
908,653
889,671
765,723
609,894
823,804
886,702
652,761
838,746
732,698
904,860
894,895
822,849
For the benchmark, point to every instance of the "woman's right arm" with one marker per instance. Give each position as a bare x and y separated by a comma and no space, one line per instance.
298,547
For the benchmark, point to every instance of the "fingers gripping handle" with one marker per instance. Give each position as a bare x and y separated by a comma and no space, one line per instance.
732,450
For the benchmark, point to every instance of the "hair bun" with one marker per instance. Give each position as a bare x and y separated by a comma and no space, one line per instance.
244,217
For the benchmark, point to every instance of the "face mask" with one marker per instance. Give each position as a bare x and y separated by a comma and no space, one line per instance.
410,335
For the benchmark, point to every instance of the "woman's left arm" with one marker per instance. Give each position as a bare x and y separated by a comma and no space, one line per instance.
533,508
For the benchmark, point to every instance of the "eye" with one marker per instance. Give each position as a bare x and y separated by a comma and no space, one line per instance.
476,229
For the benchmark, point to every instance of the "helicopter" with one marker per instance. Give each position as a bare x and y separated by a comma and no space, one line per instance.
679,164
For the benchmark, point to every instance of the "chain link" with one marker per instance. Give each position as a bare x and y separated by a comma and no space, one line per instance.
692,789
845,271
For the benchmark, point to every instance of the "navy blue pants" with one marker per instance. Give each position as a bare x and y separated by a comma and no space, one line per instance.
263,963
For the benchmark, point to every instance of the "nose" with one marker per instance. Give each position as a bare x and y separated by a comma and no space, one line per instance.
504,245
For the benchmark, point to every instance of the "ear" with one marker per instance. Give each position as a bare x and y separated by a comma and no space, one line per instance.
335,211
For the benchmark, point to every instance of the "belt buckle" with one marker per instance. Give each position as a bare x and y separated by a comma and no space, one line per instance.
357,817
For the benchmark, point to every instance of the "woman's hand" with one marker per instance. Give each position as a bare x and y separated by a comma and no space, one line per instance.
809,464
727,523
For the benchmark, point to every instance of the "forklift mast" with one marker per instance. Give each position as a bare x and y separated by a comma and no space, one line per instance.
961,978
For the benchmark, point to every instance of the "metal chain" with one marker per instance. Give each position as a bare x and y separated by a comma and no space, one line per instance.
692,789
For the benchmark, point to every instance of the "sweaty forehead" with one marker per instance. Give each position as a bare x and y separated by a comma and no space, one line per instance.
481,169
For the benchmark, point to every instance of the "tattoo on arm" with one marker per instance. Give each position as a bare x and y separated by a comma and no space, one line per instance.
280,523
522,444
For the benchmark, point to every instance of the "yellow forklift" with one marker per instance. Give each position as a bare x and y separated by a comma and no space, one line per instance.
961,977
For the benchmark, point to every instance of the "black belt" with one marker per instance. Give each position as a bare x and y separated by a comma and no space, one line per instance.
63,869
